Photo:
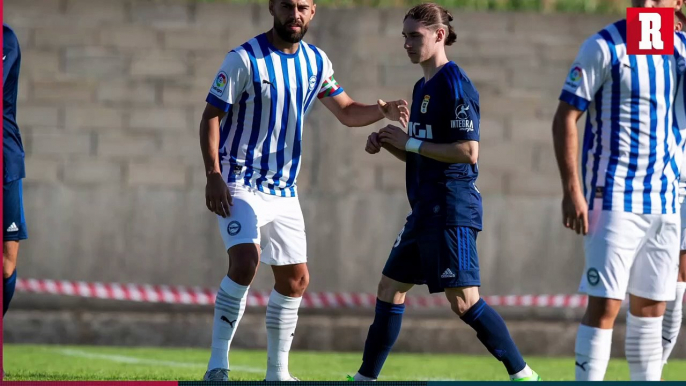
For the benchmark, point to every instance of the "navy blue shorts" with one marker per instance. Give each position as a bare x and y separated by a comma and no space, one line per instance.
434,254
14,223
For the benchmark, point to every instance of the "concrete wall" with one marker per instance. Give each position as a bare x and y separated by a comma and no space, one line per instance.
111,96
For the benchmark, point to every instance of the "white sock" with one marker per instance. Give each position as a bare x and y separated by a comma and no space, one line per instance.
360,377
526,372
644,347
228,310
593,346
672,322
282,317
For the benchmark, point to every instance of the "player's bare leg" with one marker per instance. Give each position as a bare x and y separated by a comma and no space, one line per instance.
282,317
643,338
392,291
594,338
229,306
601,312
384,331
490,329
10,250
244,260
462,299
671,323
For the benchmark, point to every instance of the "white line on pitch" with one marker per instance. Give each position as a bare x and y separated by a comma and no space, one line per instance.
155,362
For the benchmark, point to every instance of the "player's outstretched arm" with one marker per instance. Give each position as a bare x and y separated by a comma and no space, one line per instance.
463,152
217,196
565,139
397,153
355,114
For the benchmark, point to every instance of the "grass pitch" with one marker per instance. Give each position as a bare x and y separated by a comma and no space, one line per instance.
48,362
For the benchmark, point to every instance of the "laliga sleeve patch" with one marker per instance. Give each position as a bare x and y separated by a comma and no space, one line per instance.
575,76
219,84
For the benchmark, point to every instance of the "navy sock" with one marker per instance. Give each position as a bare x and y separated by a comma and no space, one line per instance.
381,337
8,291
492,332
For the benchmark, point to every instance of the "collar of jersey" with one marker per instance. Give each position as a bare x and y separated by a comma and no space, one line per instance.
278,51
424,82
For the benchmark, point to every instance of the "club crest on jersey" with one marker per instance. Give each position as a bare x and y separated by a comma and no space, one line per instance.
220,83
425,104
313,80
462,120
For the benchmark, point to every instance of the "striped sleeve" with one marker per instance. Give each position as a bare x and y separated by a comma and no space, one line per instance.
680,44
680,97
588,73
329,86
230,82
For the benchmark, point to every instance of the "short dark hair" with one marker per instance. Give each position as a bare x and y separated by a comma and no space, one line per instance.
432,14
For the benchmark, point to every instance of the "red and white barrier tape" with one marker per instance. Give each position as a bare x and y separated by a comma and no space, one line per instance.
201,296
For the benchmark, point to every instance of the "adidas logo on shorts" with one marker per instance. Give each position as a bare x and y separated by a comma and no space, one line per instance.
13,228
447,274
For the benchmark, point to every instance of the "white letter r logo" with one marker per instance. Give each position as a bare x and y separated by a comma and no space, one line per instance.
650,31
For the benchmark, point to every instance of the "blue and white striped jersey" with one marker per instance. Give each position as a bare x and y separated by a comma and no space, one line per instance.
682,181
680,116
631,150
267,94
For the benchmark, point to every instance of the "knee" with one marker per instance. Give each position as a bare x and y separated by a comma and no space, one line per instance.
646,308
601,312
243,263
9,262
299,284
391,291
462,299
386,291
682,266
293,286
8,268
460,307
243,274
599,319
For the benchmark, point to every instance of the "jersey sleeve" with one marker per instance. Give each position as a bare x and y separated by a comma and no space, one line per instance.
464,110
329,85
680,46
680,101
588,73
10,53
230,82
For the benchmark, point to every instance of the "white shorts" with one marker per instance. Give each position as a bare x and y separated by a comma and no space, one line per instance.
634,253
279,219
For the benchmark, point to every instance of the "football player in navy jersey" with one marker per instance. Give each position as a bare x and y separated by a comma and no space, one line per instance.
14,223
437,245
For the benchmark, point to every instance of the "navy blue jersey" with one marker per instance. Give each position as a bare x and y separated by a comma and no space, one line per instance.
444,110
13,150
